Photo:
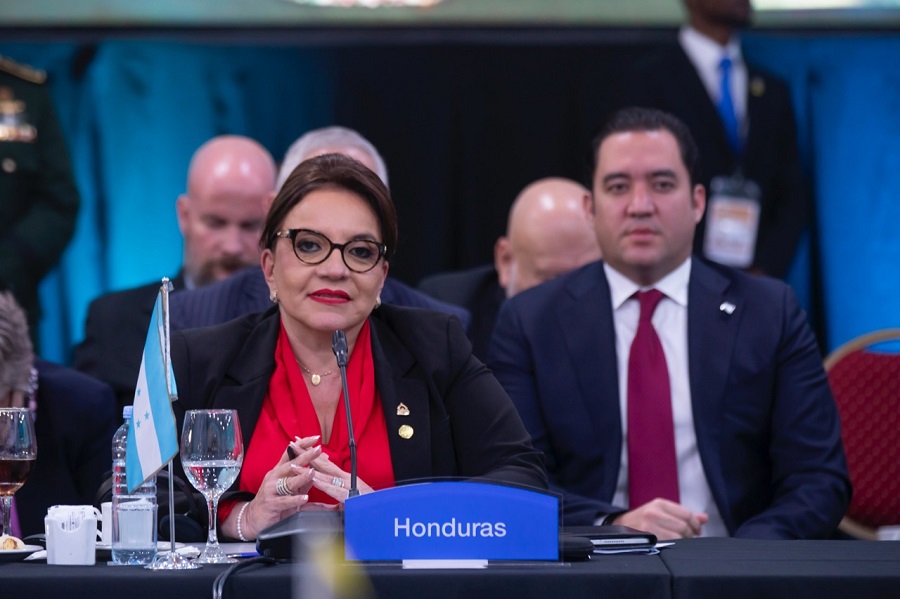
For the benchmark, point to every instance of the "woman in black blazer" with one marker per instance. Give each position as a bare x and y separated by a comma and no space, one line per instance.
422,405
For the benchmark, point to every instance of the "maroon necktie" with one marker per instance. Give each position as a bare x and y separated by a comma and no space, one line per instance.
652,467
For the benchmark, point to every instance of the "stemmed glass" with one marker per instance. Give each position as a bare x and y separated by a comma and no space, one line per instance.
18,450
212,452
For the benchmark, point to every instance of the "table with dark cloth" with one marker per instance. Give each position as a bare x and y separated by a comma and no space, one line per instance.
607,576
697,568
738,568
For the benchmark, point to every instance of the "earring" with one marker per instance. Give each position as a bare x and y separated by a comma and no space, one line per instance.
377,302
273,295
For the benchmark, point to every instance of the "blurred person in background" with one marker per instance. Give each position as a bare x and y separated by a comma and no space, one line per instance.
743,121
38,198
230,184
74,421
548,233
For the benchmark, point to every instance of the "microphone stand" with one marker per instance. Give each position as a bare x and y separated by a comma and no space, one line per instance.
339,347
306,526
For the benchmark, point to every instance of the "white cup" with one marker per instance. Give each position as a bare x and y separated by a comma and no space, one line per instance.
106,523
72,534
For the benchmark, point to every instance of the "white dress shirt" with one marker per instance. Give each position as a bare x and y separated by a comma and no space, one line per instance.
670,319
706,54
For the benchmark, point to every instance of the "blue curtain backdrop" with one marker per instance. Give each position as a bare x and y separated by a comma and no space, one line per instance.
847,93
134,111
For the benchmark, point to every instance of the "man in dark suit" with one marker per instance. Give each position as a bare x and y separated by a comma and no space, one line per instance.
248,292
74,421
230,184
476,289
114,334
548,233
754,158
740,436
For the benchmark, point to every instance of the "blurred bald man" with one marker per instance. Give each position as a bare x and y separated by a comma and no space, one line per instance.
230,184
549,232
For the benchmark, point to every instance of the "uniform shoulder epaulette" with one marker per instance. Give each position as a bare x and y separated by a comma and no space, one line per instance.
22,71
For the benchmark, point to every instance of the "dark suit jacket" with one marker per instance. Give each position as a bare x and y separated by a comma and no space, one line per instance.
38,198
246,292
668,81
75,423
477,290
464,423
114,336
766,422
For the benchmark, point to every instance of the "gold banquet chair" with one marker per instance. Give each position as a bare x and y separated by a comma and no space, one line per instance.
864,374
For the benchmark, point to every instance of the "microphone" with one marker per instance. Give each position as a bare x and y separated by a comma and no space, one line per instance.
289,537
339,347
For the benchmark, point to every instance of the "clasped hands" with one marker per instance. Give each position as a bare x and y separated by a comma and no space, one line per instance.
285,488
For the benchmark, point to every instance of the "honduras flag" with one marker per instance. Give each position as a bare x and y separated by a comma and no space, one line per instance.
152,440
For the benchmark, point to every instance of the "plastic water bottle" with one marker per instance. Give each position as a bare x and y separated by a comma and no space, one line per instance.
133,514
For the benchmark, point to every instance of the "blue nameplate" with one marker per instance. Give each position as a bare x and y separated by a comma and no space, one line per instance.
452,520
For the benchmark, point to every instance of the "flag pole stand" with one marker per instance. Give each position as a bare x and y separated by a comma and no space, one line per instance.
172,560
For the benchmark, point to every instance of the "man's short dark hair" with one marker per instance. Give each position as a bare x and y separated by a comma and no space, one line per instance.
649,119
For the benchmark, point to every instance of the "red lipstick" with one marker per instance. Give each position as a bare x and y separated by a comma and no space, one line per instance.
330,296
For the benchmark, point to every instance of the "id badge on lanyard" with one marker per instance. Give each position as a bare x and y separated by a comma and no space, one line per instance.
732,221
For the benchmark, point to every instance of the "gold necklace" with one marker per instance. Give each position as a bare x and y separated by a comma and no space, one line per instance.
314,378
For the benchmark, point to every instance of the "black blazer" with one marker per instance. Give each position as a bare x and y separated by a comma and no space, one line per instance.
668,80
114,336
476,289
76,419
464,423
767,427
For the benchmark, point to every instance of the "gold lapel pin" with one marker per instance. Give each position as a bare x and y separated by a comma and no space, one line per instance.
757,86
406,431
402,410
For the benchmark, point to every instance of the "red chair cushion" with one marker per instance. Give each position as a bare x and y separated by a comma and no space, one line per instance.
866,386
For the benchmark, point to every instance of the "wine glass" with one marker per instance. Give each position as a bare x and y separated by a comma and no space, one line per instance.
18,450
212,452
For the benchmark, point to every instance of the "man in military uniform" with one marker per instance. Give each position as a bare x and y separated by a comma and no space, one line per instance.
38,197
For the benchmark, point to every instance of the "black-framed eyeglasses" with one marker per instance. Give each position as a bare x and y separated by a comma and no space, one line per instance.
311,247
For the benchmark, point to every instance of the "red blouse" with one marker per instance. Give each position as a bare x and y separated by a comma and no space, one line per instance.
288,412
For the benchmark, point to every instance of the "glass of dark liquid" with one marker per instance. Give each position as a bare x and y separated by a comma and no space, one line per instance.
18,450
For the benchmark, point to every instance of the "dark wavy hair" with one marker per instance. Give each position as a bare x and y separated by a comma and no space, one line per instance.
649,119
333,171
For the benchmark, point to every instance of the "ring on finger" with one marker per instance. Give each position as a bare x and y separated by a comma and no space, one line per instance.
281,487
338,482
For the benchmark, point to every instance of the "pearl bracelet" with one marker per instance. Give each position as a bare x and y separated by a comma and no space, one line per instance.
239,518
